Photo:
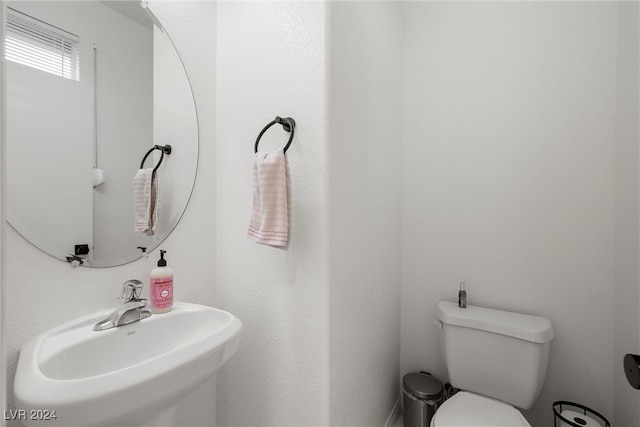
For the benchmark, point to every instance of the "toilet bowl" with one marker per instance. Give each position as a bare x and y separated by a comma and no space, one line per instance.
465,409
484,351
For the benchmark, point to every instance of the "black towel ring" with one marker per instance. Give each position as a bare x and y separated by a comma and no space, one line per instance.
164,149
287,123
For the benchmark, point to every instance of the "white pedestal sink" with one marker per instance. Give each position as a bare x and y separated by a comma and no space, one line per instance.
131,375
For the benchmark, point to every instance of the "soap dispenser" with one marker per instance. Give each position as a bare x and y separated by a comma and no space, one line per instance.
161,286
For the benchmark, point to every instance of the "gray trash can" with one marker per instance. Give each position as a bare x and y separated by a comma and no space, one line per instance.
423,393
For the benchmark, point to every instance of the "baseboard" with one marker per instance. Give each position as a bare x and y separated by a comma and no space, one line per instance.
396,412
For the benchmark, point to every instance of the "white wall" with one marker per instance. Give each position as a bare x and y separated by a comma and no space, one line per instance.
627,235
40,291
365,116
509,179
271,61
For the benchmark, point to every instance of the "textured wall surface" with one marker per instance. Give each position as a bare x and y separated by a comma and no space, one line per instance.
509,179
365,107
627,236
271,61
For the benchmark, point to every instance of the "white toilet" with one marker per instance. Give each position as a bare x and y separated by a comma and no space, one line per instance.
497,359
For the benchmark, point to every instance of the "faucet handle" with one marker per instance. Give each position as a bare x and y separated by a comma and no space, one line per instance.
131,290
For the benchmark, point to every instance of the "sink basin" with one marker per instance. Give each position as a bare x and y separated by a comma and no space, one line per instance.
125,375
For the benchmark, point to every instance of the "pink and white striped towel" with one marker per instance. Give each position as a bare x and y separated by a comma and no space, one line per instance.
269,223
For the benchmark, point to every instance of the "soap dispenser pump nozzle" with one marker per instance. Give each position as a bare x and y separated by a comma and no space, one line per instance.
162,262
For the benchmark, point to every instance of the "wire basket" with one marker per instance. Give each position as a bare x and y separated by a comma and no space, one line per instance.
562,405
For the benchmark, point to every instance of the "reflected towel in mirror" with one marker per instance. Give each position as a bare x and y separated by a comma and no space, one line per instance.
145,193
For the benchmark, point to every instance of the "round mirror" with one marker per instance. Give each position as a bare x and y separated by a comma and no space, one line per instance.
91,87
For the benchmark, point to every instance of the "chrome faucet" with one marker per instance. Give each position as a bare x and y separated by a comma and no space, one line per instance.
130,310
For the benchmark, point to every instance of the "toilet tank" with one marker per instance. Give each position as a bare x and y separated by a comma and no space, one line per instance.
495,353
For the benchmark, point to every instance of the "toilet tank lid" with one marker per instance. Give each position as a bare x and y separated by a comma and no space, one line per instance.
523,326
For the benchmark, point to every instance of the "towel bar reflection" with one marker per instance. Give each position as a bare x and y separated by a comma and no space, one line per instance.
164,149
288,124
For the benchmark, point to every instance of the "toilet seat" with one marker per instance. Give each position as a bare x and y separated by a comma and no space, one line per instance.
465,409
